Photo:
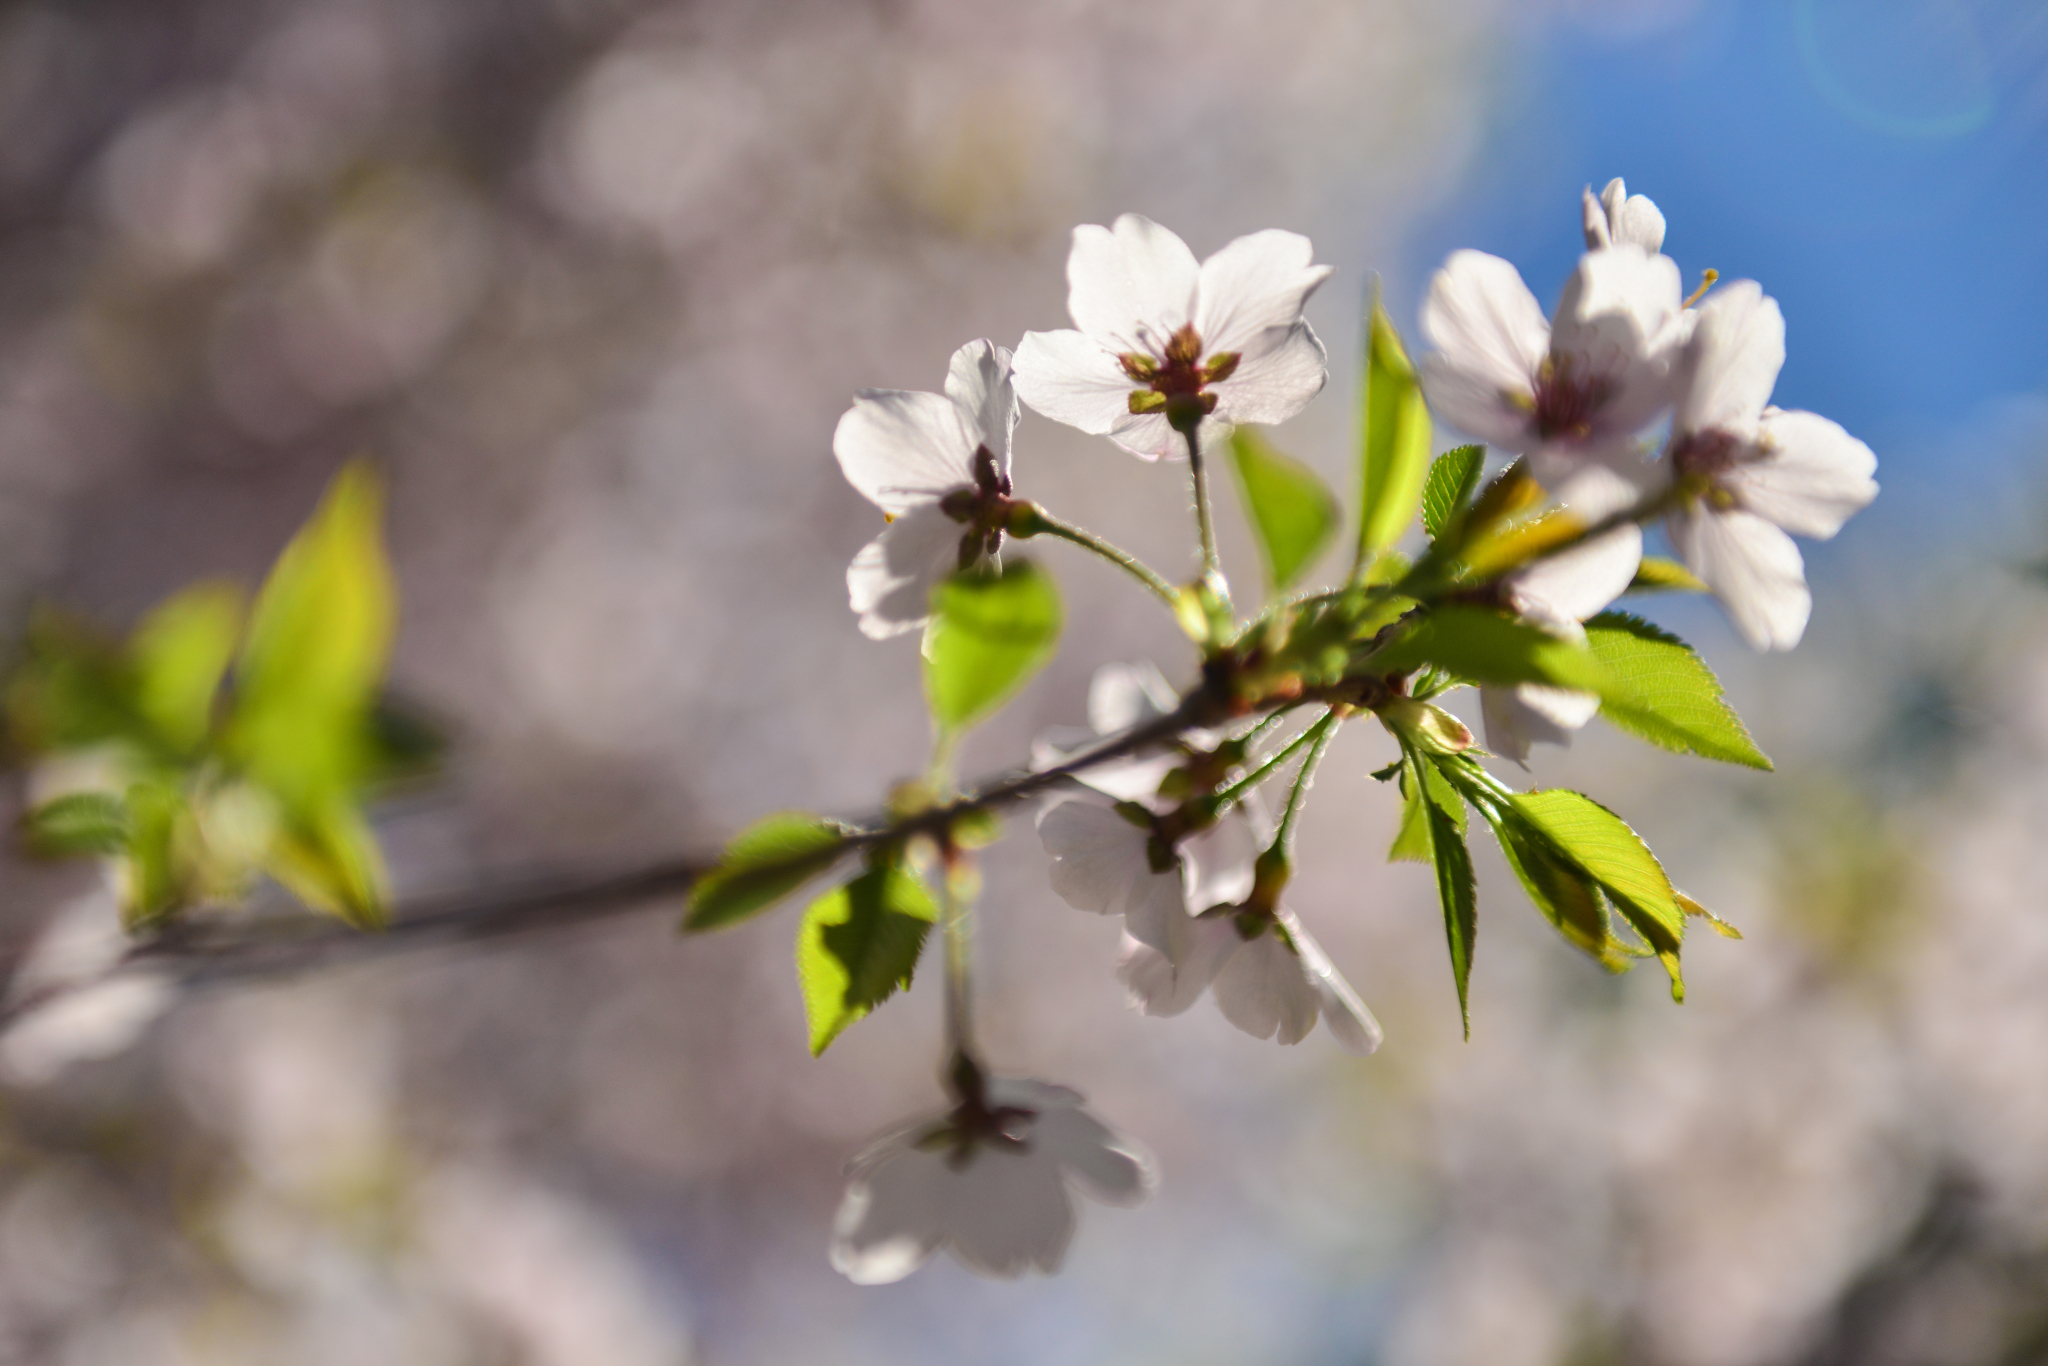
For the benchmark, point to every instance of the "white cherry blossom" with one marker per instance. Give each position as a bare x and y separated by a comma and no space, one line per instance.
1618,216
1583,386
1747,474
1154,328
1558,594
1122,697
991,1181
939,466
1272,985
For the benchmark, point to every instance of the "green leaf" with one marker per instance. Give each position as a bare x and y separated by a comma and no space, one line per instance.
1601,845
1570,901
1659,575
1455,887
1485,646
326,855
1394,440
989,633
858,945
1292,511
1453,478
78,823
181,653
1663,692
318,640
1412,841
150,883
764,863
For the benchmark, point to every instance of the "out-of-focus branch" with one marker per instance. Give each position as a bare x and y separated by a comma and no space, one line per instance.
200,953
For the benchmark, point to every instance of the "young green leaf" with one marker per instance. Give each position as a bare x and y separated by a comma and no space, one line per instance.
764,863
1411,841
1570,901
1663,692
78,823
326,855
1484,646
1457,891
1394,440
858,945
1601,845
1453,478
1659,575
1292,512
318,639
181,652
989,633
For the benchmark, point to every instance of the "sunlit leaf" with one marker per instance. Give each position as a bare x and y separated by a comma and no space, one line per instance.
1484,646
1603,847
1292,512
1568,899
858,945
78,823
181,652
1394,440
319,637
1659,575
1663,692
1453,478
989,634
326,855
763,864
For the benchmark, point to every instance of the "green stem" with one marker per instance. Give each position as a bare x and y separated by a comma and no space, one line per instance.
1039,522
1323,730
955,919
1314,733
1212,563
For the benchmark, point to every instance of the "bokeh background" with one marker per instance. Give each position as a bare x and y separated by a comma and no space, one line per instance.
592,280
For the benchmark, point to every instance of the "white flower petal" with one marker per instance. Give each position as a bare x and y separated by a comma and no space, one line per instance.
1263,990
1628,217
1124,696
1561,707
1073,379
1613,321
1813,477
890,1220
1753,567
1167,979
1593,215
1580,582
978,381
1131,285
1149,437
1490,337
1512,725
1106,1166
1731,362
1354,1027
1008,1211
900,448
1250,294
1219,860
1273,385
890,581
1100,864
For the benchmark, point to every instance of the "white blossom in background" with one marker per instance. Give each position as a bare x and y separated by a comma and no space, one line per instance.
1558,594
1618,216
71,999
1273,985
939,466
992,1182
1121,697
1747,474
1582,387
1154,326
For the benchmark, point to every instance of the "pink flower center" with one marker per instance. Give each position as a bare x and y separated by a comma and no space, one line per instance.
1567,400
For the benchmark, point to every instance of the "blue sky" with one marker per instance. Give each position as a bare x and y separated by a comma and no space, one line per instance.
1881,166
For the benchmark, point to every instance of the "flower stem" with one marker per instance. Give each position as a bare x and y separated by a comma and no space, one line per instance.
1321,731
1212,563
1042,523
956,922
1313,735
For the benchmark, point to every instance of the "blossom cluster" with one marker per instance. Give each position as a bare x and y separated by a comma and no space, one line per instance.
1629,405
